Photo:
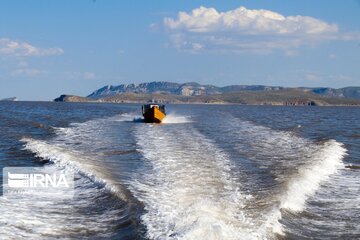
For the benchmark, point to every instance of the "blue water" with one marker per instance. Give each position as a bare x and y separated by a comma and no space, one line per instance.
208,172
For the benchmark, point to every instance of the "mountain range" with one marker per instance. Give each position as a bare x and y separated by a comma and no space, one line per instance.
196,89
192,92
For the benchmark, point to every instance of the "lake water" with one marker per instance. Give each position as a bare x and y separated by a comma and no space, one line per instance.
208,172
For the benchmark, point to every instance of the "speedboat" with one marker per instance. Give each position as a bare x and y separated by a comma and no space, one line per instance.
153,113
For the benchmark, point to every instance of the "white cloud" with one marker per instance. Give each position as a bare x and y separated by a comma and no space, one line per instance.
243,29
323,78
89,75
332,56
27,72
313,77
23,49
22,64
80,75
248,21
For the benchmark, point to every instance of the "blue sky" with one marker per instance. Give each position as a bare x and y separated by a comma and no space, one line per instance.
48,48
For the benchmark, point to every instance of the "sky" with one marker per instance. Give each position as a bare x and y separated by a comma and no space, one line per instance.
48,48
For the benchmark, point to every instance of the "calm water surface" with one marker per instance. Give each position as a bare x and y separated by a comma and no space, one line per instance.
208,172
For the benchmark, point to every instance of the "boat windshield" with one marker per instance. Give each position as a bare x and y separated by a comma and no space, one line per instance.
147,107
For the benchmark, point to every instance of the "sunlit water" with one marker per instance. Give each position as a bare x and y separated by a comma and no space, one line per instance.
207,172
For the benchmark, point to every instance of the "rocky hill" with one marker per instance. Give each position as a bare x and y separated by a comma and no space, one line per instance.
347,92
10,99
185,89
72,98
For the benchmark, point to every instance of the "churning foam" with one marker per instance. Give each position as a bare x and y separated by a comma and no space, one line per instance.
133,117
174,118
326,161
74,160
128,117
300,162
43,216
189,191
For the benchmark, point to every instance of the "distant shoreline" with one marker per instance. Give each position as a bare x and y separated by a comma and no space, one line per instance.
182,103
269,98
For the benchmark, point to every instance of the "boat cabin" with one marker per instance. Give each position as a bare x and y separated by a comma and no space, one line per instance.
147,107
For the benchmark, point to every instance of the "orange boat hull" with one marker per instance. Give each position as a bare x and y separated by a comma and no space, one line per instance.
154,115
